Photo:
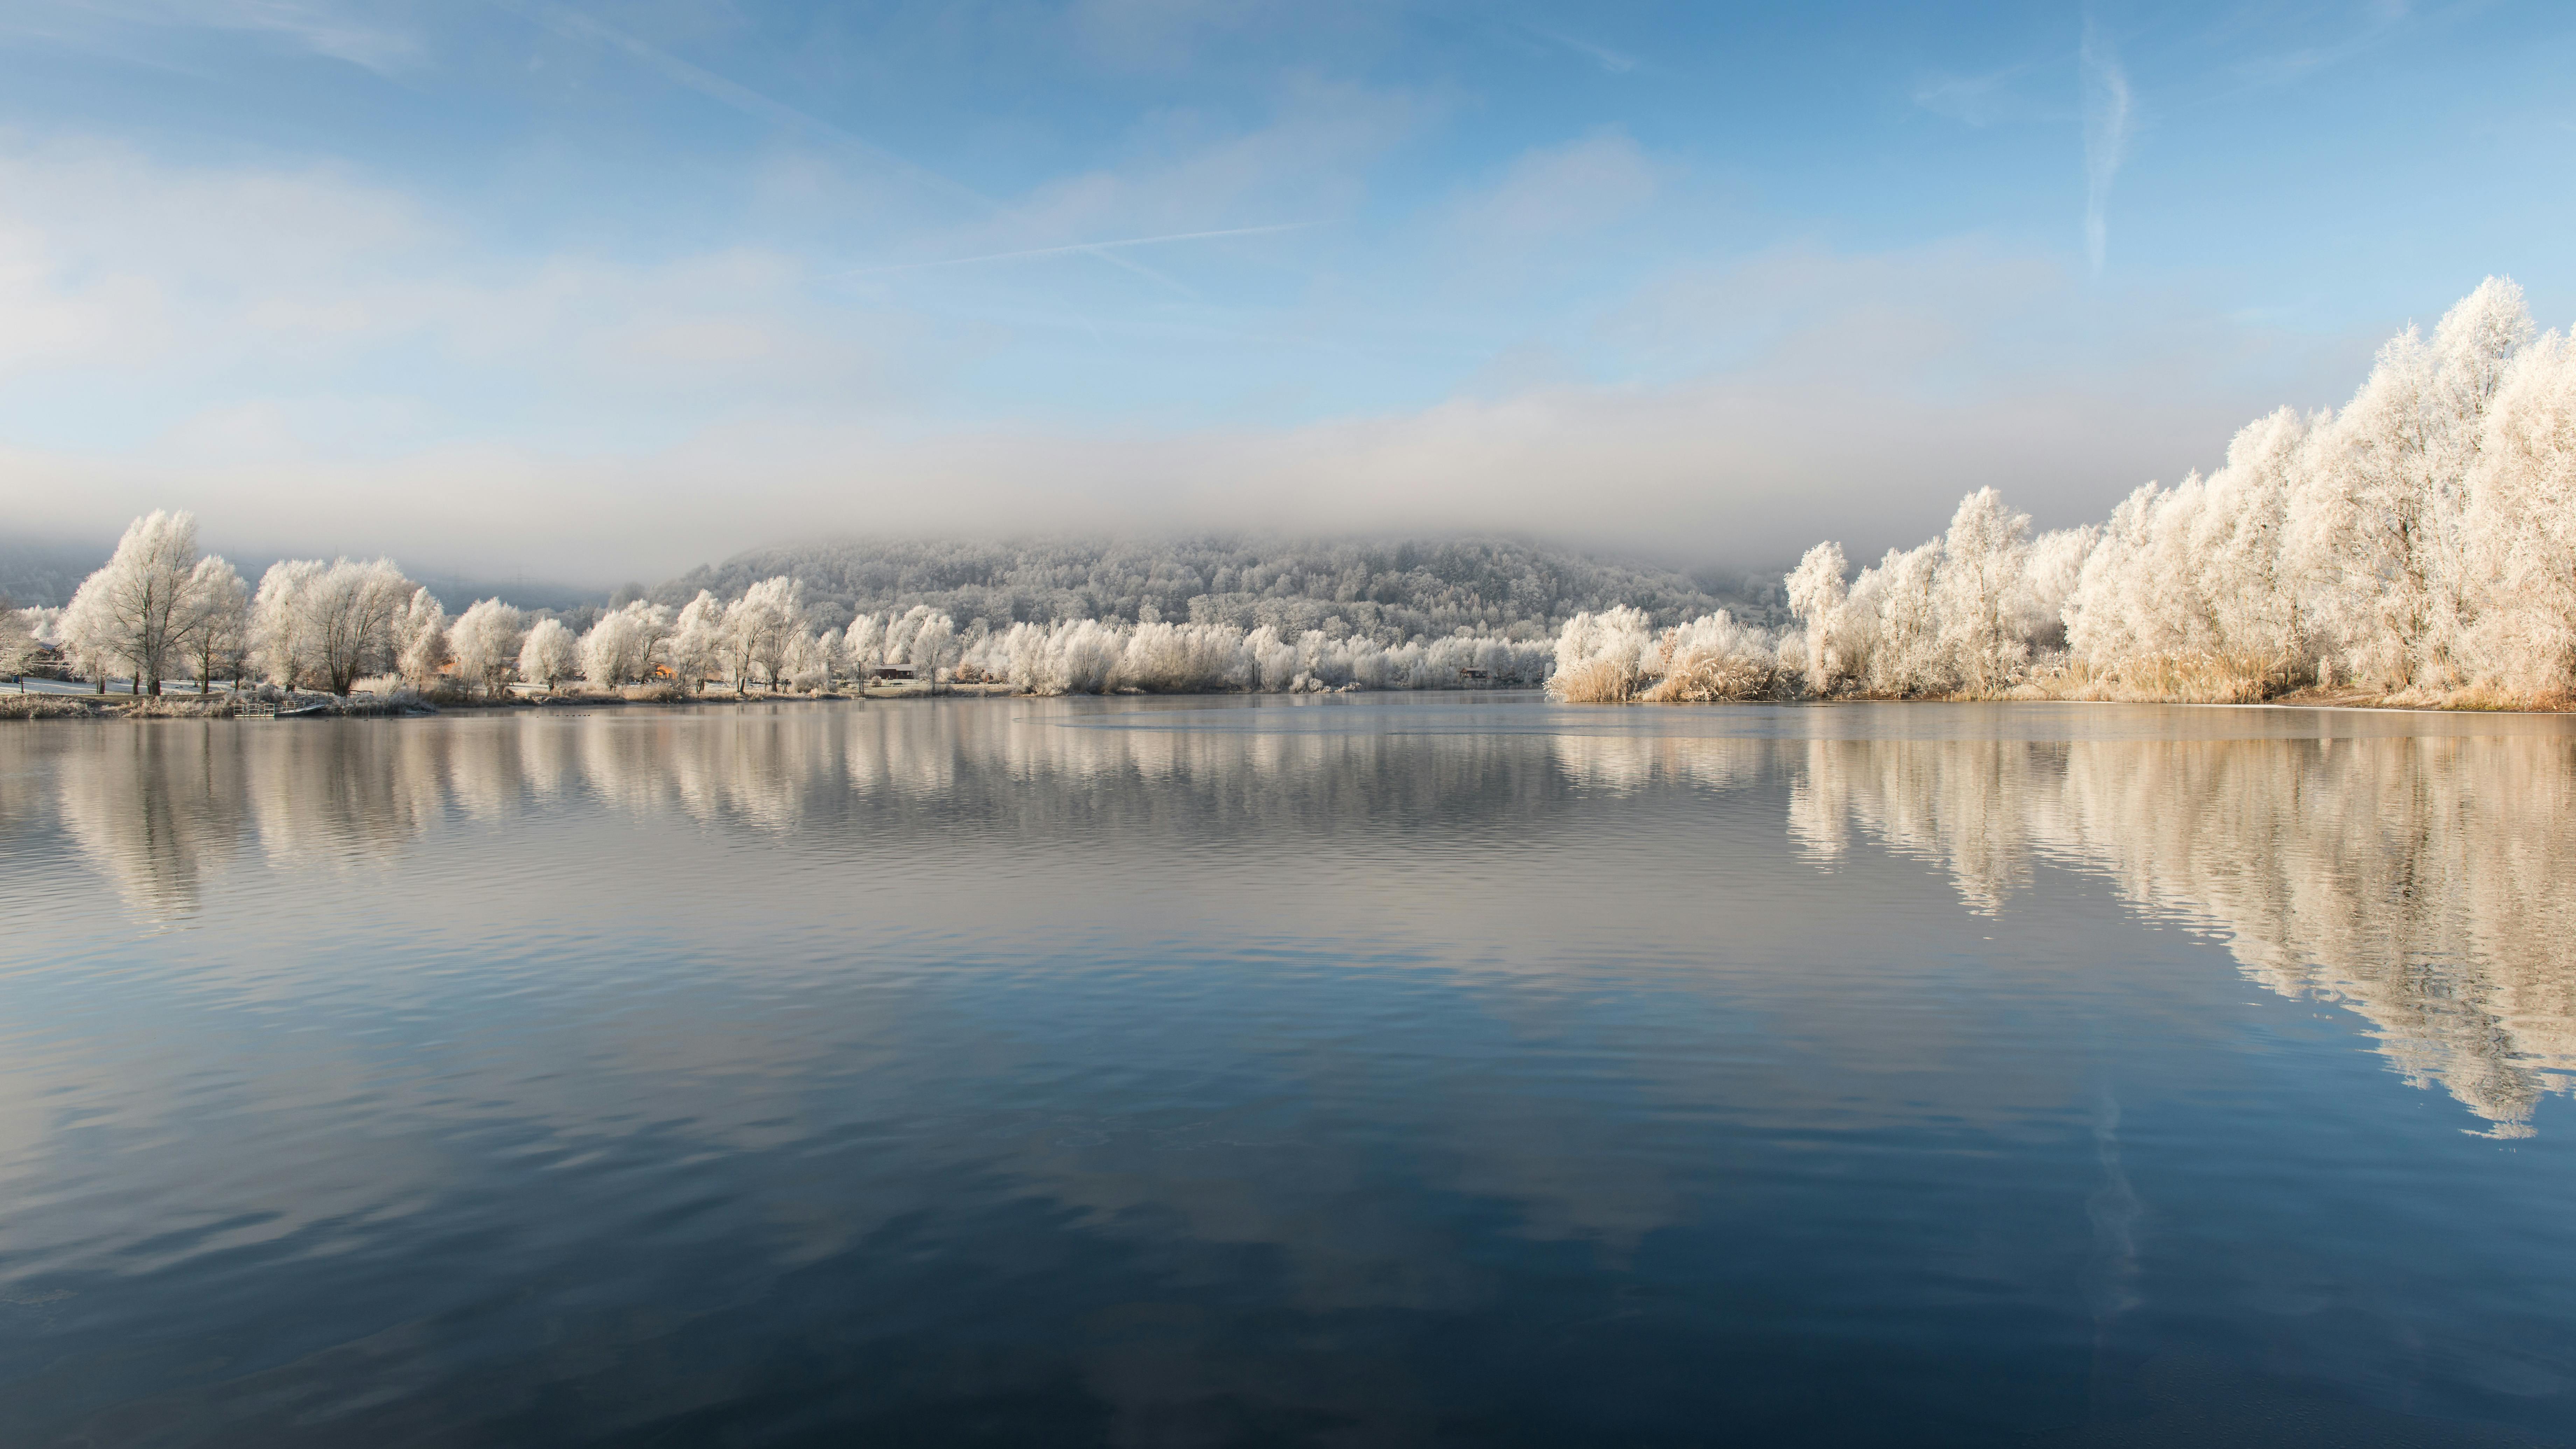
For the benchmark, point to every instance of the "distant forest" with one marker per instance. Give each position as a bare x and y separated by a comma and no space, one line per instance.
1387,591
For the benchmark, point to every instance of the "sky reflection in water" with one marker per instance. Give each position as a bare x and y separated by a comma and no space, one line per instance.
1390,1070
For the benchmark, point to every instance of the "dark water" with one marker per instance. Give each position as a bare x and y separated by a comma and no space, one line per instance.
1376,1071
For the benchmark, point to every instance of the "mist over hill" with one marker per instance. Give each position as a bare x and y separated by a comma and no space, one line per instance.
44,573
1389,590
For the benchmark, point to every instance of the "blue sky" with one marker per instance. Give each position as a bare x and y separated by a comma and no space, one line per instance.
606,290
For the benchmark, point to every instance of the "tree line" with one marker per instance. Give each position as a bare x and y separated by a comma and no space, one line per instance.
2418,543
159,610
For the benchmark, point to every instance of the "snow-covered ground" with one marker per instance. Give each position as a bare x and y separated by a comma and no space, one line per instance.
116,688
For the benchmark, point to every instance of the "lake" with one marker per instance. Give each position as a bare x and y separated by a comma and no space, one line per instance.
1359,1070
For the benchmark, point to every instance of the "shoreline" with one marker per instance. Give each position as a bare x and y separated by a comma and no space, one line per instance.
368,704
113,706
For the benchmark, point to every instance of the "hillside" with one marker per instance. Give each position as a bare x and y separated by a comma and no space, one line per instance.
1386,590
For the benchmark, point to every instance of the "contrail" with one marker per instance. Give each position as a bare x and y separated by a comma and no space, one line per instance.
1089,248
573,24
1615,62
2107,120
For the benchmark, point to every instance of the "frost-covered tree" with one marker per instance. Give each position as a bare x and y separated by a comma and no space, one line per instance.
1159,657
132,611
1088,656
698,641
213,639
1962,612
353,607
1908,653
932,647
2381,516
550,655
899,632
17,639
761,628
863,645
2417,538
814,660
420,640
2522,523
280,627
625,645
328,624
486,640
2050,571
2256,605
1818,596
1979,582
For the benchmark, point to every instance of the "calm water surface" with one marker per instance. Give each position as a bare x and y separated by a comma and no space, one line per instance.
1380,1070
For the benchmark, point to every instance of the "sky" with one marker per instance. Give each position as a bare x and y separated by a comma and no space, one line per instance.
596,292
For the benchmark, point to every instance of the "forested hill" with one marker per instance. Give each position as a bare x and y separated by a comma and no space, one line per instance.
1384,590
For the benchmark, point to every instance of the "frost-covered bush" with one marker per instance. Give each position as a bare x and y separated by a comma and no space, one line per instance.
45,706
1716,658
1601,658
1617,656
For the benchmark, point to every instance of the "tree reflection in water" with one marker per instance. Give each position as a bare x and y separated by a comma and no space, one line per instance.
2425,882
2422,880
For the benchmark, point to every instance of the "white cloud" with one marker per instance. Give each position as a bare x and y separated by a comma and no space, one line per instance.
1838,409
1580,186
50,317
316,364
153,252
195,285
1187,170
